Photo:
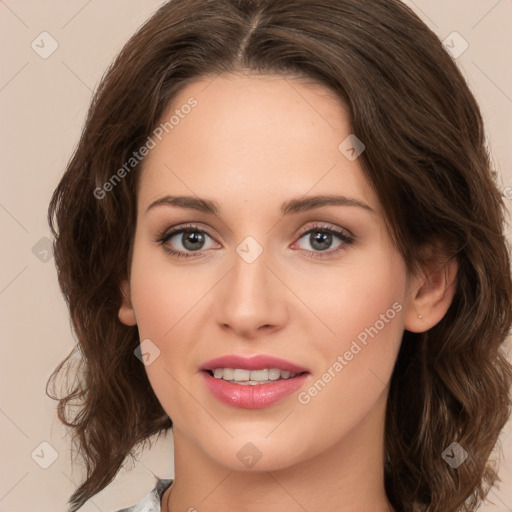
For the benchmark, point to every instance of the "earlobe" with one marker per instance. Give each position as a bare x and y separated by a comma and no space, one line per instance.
126,312
431,295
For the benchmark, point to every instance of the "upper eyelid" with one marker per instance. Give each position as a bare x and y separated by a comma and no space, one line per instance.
176,230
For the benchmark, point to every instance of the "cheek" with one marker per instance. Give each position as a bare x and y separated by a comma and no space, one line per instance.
366,294
363,309
163,293
167,299
163,298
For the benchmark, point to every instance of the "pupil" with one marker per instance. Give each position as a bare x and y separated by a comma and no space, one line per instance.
321,240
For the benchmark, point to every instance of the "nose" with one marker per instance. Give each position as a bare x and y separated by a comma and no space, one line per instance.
251,299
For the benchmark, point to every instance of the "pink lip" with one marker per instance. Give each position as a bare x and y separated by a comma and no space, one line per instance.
252,397
258,362
248,396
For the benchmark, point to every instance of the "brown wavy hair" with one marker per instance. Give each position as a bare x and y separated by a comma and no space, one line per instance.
425,157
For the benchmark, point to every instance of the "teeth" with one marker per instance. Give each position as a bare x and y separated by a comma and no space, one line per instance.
241,375
274,374
218,373
259,375
227,374
252,377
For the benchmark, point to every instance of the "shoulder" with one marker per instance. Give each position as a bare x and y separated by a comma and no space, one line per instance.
152,500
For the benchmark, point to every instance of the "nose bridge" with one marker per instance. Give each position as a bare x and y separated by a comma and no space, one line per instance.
249,275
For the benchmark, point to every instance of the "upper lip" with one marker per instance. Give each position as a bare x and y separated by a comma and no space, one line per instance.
256,362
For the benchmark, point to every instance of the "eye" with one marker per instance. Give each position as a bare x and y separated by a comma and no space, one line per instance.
184,241
321,239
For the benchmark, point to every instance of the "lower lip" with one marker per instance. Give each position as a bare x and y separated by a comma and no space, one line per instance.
252,397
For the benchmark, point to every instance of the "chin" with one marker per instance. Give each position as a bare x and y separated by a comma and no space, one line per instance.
257,453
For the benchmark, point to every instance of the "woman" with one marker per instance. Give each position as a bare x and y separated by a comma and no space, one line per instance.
280,236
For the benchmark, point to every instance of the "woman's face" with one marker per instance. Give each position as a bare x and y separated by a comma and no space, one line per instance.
295,263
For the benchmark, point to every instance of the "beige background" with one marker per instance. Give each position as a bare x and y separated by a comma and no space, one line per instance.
43,105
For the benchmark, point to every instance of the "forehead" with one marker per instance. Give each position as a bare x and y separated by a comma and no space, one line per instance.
253,138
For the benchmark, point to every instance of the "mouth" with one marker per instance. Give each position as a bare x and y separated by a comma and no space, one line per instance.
254,382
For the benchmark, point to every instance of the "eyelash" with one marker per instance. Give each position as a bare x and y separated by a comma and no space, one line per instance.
343,235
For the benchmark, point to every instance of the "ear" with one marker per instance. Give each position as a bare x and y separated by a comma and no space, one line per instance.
126,312
430,292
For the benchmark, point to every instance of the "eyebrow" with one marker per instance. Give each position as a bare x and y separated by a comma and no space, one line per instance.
291,206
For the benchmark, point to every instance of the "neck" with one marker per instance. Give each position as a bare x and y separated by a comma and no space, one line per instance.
346,477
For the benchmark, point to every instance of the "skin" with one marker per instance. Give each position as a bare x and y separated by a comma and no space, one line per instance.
252,143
